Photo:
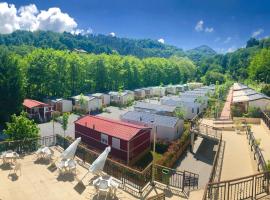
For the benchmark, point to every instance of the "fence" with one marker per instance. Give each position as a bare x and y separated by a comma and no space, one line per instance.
183,180
132,180
261,164
27,146
128,176
249,187
266,119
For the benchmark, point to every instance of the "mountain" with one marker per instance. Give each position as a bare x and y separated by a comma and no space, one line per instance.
198,53
91,43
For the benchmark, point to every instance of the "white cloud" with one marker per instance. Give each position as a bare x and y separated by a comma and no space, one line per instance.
54,20
257,33
27,17
209,30
112,34
8,18
227,40
231,49
82,31
199,26
30,18
161,40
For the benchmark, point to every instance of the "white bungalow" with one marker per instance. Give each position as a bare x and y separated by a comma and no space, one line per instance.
121,98
105,98
171,89
89,103
159,91
139,94
165,127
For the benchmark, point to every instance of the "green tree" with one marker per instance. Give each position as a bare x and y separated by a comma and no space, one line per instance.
180,112
21,128
65,118
259,68
11,85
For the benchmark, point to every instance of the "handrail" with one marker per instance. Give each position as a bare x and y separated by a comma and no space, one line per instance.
231,188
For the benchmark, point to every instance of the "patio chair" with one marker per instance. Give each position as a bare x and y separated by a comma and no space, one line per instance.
15,168
72,167
113,188
103,192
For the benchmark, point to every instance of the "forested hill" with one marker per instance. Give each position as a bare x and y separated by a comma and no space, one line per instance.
197,53
91,43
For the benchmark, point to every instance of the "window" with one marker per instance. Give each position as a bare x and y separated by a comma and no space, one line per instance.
116,143
104,139
192,110
198,110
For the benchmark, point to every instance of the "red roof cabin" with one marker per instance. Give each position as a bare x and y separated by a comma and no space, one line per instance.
128,142
37,110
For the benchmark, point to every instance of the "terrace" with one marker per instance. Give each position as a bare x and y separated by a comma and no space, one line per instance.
41,180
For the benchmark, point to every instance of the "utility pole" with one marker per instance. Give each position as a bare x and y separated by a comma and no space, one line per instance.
154,152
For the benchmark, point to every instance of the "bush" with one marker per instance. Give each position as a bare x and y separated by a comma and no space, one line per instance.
253,112
266,89
175,149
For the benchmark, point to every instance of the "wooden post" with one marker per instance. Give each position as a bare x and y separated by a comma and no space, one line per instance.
192,140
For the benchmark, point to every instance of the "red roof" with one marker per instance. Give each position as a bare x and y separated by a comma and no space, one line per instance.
118,129
29,103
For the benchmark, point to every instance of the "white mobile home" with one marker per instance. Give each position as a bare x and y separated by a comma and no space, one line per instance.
245,97
190,106
155,108
149,92
61,105
139,94
159,91
105,98
121,98
165,127
86,103
194,85
171,89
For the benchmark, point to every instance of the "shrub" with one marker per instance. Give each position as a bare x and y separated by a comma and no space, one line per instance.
175,149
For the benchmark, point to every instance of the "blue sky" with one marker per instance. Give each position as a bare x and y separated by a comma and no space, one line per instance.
223,25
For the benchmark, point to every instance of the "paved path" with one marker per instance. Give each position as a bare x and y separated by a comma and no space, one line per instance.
226,112
262,133
238,160
199,162
46,129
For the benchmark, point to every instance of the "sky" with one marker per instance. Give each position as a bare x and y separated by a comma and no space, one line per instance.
224,25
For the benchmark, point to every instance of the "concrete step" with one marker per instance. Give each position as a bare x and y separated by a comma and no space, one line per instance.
222,122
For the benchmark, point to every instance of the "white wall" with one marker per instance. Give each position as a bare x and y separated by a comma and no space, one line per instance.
106,99
94,104
260,103
66,105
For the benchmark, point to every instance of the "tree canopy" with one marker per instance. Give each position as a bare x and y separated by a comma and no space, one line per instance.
21,128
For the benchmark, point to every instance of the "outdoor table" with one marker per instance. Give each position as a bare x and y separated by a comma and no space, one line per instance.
44,151
10,156
67,165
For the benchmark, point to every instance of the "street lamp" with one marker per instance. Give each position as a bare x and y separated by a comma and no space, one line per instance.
154,152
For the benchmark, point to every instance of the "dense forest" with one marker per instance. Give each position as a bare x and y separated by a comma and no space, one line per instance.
43,64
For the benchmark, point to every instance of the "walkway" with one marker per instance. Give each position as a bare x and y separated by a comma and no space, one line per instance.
262,133
226,112
199,162
238,161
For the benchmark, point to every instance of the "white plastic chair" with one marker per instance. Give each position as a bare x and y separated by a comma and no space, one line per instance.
16,168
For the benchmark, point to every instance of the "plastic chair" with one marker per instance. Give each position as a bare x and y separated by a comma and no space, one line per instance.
15,169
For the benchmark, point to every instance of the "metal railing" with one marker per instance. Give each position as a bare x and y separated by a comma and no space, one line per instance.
266,118
160,196
136,181
258,156
183,180
250,187
27,146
